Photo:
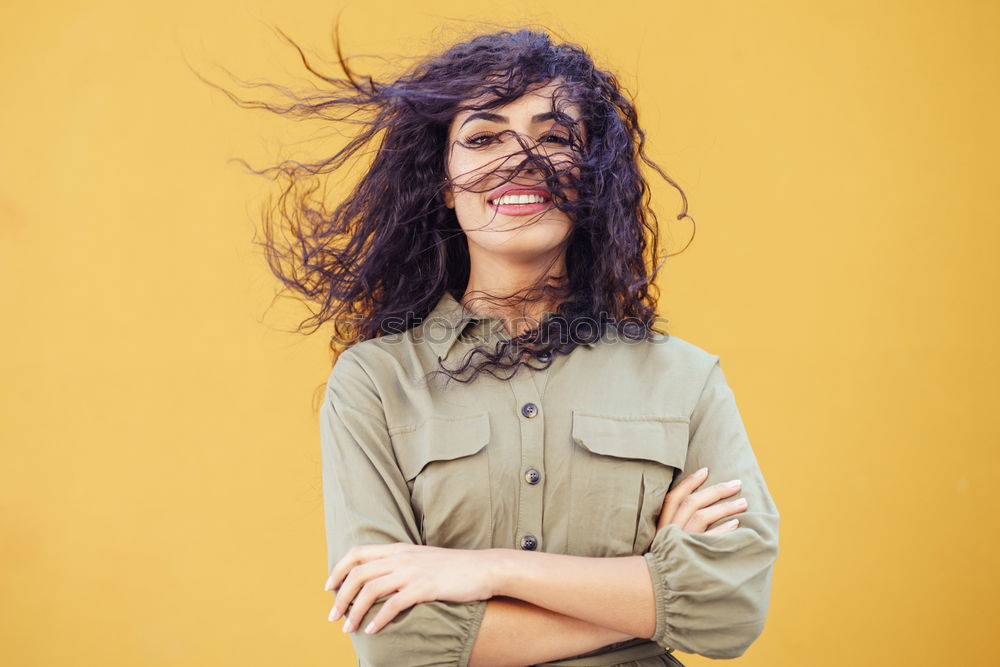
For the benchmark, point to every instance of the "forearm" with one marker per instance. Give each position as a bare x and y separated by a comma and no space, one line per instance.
614,593
515,633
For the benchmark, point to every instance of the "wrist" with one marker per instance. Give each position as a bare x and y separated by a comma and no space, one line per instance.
501,566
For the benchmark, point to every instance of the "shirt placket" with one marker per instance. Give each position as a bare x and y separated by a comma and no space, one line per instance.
531,419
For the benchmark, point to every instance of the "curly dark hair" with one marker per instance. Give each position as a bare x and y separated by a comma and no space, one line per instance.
380,261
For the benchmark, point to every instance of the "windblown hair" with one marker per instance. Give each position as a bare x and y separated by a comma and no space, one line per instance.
379,262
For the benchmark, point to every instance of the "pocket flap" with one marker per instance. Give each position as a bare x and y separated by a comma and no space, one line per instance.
660,439
440,438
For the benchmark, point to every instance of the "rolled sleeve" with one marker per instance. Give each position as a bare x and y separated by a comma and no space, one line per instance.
712,592
366,501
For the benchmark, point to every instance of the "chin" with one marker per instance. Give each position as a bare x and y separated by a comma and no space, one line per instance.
522,244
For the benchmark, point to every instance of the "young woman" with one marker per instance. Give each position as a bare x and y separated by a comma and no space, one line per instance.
517,468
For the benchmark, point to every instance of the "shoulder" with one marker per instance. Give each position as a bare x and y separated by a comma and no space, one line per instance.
662,375
680,352
669,369
682,363
665,355
379,359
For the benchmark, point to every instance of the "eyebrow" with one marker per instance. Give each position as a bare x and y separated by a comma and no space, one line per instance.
497,118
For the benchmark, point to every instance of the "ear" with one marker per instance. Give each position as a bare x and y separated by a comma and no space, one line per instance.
449,196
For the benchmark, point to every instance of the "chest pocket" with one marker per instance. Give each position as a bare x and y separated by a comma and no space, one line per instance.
446,467
622,467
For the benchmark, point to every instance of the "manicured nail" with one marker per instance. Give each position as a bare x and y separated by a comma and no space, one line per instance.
740,502
735,483
328,584
370,628
701,471
334,613
732,524
347,624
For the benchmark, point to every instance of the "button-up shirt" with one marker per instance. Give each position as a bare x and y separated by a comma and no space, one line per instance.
574,459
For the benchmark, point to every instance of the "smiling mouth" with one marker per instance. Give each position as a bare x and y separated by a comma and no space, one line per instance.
519,200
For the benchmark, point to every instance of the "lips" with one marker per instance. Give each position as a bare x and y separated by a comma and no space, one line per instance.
519,190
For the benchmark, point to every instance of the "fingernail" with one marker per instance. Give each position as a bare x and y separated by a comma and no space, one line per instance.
370,628
329,582
334,613
347,624
733,522
701,471
735,483
740,502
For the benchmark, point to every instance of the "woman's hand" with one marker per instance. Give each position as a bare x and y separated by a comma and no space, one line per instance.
693,510
419,573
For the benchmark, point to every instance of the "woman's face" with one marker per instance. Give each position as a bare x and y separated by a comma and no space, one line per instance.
482,155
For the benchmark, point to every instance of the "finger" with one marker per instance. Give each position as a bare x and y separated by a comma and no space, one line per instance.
677,494
369,593
356,555
401,601
710,494
704,498
726,527
346,563
336,612
705,517
355,581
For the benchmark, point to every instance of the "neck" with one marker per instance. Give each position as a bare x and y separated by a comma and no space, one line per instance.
511,290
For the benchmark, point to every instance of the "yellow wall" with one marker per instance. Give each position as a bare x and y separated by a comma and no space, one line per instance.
160,501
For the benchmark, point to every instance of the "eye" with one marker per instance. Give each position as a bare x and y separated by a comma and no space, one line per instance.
478,140
559,139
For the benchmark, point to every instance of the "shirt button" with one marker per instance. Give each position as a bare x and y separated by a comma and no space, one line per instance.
532,476
528,542
529,410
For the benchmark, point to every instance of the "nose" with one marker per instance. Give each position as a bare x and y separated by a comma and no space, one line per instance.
525,159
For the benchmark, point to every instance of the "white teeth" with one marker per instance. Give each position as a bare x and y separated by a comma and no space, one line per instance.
519,199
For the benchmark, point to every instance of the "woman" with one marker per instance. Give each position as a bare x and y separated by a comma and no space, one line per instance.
517,469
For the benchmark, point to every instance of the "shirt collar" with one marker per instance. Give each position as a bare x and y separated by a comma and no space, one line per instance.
449,319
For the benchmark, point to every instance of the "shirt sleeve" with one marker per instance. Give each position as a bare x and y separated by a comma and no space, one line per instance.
712,592
366,501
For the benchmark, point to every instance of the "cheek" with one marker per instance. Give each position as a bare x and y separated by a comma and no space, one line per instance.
463,171
469,187
472,167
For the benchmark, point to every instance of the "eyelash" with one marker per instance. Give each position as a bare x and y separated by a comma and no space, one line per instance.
563,141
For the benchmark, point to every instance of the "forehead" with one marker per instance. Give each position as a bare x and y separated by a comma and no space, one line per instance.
540,98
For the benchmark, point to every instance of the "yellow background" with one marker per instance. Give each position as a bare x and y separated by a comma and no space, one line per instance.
160,476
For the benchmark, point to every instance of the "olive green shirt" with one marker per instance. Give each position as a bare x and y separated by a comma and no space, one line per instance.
575,459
